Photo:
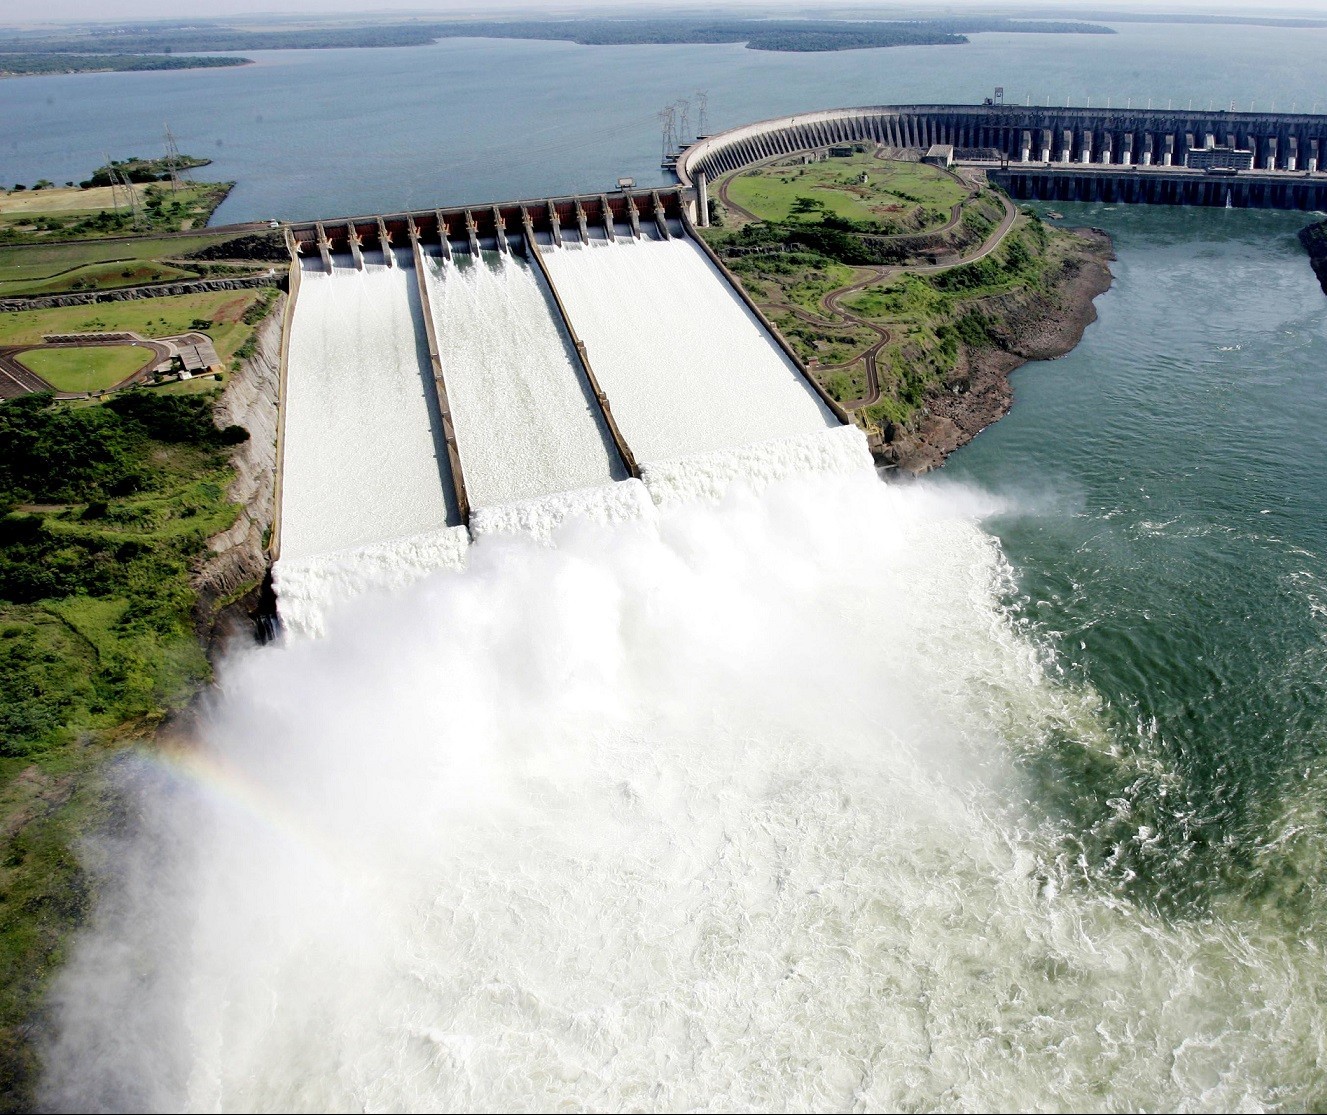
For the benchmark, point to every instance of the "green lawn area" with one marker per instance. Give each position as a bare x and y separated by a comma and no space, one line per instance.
151,317
24,267
893,191
85,369
99,276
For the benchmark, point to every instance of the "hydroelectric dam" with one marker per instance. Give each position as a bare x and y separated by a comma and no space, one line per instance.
1158,156
498,368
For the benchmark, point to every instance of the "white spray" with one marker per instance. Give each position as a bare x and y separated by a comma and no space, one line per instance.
716,809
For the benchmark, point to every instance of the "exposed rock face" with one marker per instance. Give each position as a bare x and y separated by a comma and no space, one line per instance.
132,293
270,246
238,562
1314,239
1026,325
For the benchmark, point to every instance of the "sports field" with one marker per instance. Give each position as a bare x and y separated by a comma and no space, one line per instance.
85,369
149,317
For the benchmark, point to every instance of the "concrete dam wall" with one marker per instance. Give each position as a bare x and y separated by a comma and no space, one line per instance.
463,372
1061,153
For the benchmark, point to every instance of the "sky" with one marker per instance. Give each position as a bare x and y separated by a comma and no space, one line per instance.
26,12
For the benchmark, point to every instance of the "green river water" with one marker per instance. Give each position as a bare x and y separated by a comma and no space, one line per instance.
1168,526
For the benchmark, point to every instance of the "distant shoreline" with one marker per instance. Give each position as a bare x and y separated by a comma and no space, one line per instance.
40,64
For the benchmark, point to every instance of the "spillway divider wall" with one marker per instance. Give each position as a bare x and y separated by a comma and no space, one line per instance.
439,382
287,319
623,449
834,405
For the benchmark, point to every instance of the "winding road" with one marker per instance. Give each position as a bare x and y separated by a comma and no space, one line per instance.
830,302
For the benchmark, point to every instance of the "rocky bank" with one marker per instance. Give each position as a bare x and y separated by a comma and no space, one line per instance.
1025,325
229,580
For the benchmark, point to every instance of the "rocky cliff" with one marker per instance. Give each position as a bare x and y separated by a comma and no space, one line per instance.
234,572
1314,239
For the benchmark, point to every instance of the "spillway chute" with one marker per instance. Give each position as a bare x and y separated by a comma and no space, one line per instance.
514,369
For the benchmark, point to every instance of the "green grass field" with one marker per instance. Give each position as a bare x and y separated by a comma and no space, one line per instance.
892,192
71,213
86,369
151,317
42,268
99,276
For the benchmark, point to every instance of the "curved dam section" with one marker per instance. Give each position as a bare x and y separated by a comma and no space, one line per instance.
1280,155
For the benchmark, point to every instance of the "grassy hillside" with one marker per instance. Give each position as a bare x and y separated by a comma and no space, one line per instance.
103,509
897,197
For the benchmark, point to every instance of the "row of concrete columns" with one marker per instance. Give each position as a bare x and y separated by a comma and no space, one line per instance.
469,227
1070,184
1107,146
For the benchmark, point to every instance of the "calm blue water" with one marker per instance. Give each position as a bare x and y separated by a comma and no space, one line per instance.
324,133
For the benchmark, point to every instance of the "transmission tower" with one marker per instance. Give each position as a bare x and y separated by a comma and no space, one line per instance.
668,126
684,114
115,185
702,110
173,160
135,210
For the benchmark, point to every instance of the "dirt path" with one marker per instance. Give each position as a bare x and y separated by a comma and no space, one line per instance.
831,302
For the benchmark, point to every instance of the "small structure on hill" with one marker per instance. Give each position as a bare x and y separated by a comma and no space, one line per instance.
939,154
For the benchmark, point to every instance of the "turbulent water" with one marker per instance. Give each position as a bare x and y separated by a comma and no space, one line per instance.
526,420
361,448
365,499
738,807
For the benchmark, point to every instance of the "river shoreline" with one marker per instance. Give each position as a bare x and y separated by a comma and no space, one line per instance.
1043,325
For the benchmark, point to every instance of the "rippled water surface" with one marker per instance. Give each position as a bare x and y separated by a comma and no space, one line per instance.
1171,541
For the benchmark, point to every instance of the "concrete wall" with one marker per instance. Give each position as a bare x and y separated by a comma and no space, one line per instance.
1244,191
1063,136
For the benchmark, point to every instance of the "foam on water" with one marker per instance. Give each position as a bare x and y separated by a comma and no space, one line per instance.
708,476
361,463
687,367
541,518
309,589
526,422
721,808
